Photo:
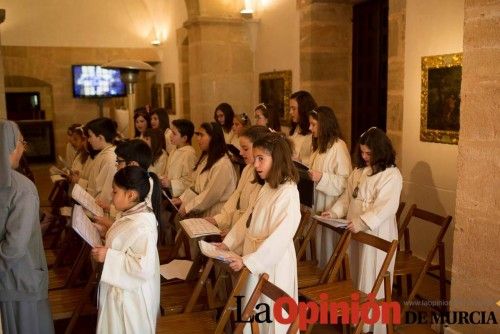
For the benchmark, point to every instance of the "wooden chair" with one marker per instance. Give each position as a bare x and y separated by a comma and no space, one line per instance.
266,288
407,264
203,322
67,277
341,290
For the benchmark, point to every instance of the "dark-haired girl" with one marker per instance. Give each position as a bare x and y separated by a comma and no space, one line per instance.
142,121
329,169
129,290
155,139
240,123
301,103
224,115
161,121
266,115
266,231
370,203
214,175
247,190
80,168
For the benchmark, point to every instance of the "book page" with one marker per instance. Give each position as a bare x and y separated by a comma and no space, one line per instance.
53,170
56,178
210,250
335,222
176,269
86,200
84,227
198,227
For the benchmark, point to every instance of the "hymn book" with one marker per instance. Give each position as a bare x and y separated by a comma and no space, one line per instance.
176,269
198,227
86,200
84,227
210,250
335,222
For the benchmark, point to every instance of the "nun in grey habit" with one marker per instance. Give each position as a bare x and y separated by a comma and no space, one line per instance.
24,306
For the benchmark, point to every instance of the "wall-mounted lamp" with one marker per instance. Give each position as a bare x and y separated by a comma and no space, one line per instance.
248,11
129,72
155,42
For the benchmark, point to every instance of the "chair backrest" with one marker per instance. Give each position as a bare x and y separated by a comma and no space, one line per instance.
266,288
400,211
426,216
231,301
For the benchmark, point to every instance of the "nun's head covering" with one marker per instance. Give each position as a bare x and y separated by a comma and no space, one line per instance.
9,135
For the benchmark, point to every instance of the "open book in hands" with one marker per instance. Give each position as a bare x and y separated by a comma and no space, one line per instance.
335,222
210,250
198,227
86,200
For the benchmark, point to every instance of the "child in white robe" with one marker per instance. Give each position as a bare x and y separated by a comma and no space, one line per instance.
182,159
100,134
370,203
330,167
156,141
214,177
240,123
224,115
248,189
266,231
301,103
129,290
160,120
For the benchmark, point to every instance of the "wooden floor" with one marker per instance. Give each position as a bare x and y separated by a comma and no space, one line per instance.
429,289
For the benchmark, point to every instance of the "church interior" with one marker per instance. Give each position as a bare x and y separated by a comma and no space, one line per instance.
424,72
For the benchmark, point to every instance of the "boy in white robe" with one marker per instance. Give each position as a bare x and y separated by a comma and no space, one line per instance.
370,203
182,159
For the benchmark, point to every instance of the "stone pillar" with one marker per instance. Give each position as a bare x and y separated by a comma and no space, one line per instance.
3,108
475,270
395,76
326,56
220,58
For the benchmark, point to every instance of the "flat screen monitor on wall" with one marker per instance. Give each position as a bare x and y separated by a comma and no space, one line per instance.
93,81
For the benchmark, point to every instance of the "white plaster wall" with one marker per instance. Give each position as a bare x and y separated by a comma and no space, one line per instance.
433,27
277,42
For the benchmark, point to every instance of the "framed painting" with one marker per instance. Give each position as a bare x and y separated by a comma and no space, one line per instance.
169,98
275,89
440,98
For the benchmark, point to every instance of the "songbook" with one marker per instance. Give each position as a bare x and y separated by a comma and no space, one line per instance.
53,170
300,166
212,251
198,227
335,222
86,200
176,269
84,227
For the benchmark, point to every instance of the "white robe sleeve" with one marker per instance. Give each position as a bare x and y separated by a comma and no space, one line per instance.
234,239
178,185
225,217
285,217
386,201
334,183
220,176
130,268
104,182
340,207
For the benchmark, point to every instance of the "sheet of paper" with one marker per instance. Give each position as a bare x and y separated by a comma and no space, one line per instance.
170,200
56,178
335,222
84,227
53,170
86,200
176,269
64,163
210,250
198,227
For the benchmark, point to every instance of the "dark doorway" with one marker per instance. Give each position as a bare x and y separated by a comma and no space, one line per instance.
369,66
23,106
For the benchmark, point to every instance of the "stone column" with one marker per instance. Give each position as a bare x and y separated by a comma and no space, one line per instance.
220,59
395,75
326,56
3,108
475,270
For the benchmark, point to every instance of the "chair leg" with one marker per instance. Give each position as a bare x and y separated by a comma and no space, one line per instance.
442,277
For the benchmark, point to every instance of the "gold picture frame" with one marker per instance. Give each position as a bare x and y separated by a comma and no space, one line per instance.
275,89
440,98
169,98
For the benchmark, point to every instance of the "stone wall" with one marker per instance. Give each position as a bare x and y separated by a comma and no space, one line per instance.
395,75
326,56
475,271
52,65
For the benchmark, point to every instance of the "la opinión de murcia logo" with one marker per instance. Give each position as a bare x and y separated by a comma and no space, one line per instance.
370,311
